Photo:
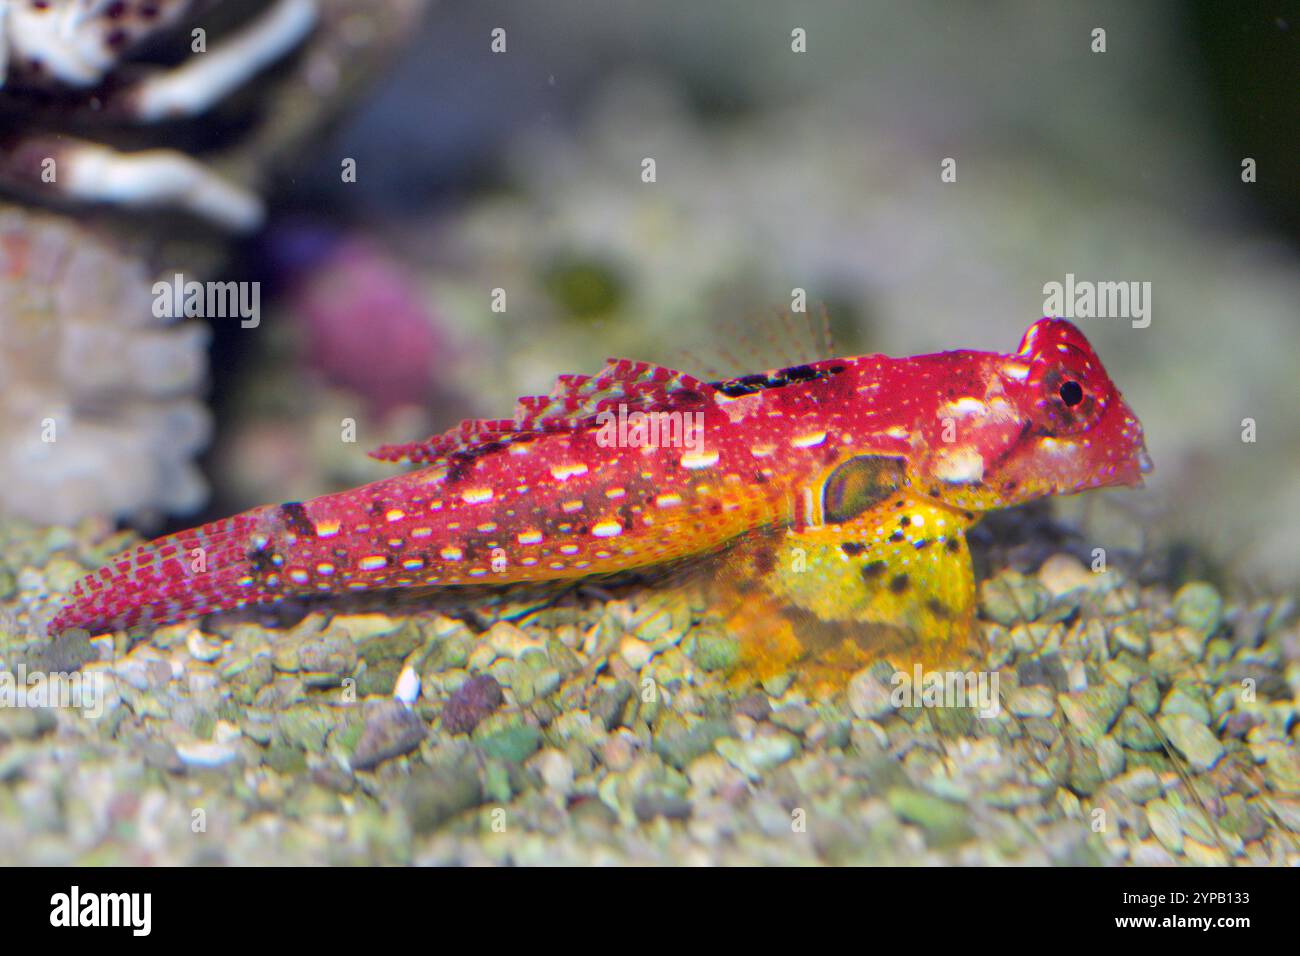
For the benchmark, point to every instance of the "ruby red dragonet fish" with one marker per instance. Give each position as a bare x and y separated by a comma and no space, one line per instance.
853,480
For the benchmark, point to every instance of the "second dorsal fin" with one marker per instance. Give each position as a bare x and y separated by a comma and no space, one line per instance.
573,404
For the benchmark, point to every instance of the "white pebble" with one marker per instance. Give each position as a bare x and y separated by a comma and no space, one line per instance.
407,689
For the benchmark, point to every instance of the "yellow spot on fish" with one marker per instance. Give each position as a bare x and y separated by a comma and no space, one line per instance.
413,564
487,527
607,529
530,537
451,553
569,507
475,496
670,500
325,568
373,562
297,575
615,492
395,514
421,532
327,529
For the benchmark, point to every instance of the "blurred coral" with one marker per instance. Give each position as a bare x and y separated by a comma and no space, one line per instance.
84,362
362,320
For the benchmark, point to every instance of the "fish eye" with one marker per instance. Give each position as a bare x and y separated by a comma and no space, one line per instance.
1071,393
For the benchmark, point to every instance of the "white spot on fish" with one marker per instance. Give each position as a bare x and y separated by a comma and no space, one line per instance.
811,440
474,496
964,406
567,471
373,562
959,466
1016,370
607,529
699,459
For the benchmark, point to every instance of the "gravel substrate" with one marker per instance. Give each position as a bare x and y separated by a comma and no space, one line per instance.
1138,725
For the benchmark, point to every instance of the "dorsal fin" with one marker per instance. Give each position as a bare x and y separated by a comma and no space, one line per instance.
573,404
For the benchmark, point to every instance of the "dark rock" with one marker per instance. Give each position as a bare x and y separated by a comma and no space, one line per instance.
390,731
472,701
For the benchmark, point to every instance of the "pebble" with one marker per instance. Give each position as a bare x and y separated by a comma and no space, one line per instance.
1093,711
945,822
760,753
1199,606
555,768
204,753
407,689
513,744
1063,573
1164,822
635,653
1140,784
713,651
509,641
1192,739
1012,598
473,700
1035,701
200,648
869,697
391,730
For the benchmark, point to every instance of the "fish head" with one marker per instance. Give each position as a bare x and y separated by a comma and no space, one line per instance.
1009,429
1076,430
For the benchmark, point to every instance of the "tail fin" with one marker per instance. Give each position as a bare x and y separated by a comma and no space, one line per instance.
187,574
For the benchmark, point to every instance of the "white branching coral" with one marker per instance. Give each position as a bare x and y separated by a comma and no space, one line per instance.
98,406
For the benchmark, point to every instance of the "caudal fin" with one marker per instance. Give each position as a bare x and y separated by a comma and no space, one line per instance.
178,576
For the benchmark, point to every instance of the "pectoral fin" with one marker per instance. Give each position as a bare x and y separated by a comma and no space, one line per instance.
895,581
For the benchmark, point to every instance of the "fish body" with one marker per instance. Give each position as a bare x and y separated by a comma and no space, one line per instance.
641,466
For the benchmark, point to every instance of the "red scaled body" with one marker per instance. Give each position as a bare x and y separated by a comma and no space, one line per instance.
641,465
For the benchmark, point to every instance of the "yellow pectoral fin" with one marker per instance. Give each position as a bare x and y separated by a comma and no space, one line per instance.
903,563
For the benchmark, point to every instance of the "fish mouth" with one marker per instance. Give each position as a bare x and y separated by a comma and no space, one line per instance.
1140,465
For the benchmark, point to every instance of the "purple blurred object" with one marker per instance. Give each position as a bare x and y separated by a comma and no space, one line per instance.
363,319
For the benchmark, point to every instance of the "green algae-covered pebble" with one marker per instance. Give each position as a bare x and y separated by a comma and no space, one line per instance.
1012,598
1192,739
944,822
1198,605
1092,712
512,744
715,652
